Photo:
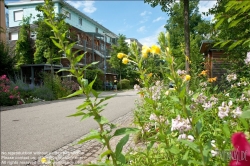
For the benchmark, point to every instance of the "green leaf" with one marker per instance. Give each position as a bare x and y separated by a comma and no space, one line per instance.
119,146
245,115
163,163
96,94
192,145
199,126
244,123
221,20
80,113
92,135
78,58
121,158
76,93
104,99
234,23
225,129
174,150
56,43
84,105
102,120
123,131
86,116
185,157
107,152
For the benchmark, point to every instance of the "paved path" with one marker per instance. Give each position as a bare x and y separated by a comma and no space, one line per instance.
31,132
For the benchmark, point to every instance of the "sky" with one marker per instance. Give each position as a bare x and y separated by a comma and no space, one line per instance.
134,19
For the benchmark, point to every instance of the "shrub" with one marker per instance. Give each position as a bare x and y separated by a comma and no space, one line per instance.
70,86
44,93
91,74
124,83
8,95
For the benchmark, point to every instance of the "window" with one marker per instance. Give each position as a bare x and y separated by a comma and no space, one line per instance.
67,14
18,15
96,30
80,21
14,36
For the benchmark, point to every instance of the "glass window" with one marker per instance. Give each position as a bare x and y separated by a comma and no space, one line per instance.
18,15
14,36
80,21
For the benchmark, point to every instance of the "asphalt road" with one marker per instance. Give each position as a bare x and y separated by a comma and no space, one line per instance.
45,128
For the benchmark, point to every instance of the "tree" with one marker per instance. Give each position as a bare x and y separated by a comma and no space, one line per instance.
46,51
120,47
23,49
166,6
199,29
6,62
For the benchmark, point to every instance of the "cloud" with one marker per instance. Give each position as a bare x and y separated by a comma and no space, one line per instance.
86,6
141,29
153,39
145,13
158,19
204,6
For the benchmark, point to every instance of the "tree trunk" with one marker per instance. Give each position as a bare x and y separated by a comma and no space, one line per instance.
186,34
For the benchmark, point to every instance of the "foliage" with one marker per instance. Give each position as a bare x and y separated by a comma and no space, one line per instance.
121,46
23,49
90,76
8,95
124,83
185,127
43,93
70,85
54,83
46,51
7,60
167,6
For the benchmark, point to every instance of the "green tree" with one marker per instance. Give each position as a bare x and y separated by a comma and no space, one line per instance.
166,6
120,47
46,51
199,29
7,62
23,49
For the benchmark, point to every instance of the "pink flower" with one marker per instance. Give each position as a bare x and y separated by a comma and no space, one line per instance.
3,76
11,97
16,88
240,156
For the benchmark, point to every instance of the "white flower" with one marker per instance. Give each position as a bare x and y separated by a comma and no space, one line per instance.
224,109
237,112
207,105
214,153
231,77
213,143
247,60
190,138
182,136
137,87
180,124
167,93
153,117
181,72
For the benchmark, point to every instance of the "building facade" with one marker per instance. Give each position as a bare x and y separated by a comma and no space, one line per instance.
91,37
2,21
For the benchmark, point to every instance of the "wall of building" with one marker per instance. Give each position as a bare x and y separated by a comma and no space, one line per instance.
2,20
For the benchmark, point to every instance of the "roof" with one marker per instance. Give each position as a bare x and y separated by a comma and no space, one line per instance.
106,31
205,45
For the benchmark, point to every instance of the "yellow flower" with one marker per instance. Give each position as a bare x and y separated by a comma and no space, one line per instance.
120,55
150,74
125,61
187,78
43,160
212,79
144,55
155,49
145,51
203,73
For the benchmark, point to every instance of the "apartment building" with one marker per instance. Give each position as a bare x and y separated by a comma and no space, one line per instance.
91,37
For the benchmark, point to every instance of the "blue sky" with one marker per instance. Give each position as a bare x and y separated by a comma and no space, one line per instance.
134,19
